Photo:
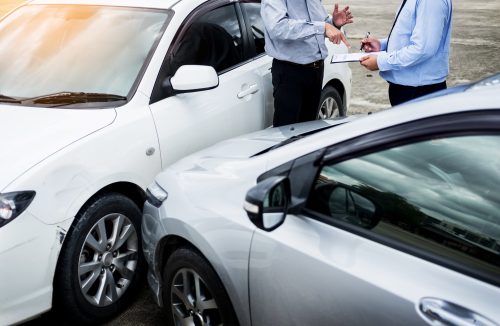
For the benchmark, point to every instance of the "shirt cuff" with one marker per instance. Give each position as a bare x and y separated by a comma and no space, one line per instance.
383,44
319,27
382,61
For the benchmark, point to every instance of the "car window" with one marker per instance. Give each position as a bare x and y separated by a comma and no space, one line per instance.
214,39
256,24
438,196
46,49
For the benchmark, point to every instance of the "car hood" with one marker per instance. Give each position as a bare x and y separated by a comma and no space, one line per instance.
253,144
265,140
32,134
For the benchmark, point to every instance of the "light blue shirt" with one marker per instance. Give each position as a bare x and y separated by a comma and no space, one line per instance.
295,30
419,46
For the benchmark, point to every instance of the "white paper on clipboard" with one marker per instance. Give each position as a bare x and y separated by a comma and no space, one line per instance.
351,57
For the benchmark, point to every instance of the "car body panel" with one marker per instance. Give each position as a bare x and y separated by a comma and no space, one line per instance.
19,124
199,114
28,239
224,241
357,281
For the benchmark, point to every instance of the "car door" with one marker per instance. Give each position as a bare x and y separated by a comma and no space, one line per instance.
263,62
394,231
191,121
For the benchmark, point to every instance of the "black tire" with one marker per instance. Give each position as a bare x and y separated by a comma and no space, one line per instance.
329,95
189,262
71,297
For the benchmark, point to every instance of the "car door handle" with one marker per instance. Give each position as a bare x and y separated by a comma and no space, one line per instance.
252,89
439,312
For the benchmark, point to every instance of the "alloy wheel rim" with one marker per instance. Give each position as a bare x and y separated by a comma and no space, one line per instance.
108,260
192,302
329,108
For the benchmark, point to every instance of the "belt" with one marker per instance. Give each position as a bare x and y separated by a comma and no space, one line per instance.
315,64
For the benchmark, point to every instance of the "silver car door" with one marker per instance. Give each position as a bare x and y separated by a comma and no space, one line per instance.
406,235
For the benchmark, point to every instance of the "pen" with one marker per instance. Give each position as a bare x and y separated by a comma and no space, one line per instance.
362,45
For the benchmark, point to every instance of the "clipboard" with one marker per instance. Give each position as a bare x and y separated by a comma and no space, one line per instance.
351,57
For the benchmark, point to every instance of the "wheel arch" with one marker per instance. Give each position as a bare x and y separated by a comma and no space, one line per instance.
339,86
132,193
127,189
167,246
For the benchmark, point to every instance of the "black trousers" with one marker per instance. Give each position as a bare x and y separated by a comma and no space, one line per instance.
297,92
399,93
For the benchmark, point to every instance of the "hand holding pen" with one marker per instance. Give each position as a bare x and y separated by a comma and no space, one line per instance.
370,44
364,39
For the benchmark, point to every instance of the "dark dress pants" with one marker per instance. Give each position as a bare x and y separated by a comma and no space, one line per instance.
297,92
399,93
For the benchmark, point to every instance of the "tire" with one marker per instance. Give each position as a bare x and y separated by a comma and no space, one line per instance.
330,104
181,272
98,273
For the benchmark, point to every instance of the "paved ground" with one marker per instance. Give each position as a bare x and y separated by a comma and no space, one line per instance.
475,49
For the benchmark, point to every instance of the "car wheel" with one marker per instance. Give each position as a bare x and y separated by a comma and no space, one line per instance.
331,105
193,293
101,263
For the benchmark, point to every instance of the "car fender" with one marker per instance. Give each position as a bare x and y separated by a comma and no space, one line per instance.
119,153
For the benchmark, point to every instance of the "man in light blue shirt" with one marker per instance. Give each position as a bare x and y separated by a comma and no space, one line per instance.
295,32
416,61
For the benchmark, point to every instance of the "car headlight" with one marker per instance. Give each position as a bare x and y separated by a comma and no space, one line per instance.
13,204
155,195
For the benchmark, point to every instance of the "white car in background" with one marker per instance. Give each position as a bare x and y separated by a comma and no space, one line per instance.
96,96
388,219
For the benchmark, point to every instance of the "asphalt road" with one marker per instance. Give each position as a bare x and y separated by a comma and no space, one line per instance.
475,49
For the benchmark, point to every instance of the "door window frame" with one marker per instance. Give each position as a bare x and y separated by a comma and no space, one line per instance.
157,94
250,39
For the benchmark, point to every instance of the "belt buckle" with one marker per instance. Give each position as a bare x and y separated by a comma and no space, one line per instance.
316,64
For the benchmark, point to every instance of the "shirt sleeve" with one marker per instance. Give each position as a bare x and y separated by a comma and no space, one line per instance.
280,26
383,44
431,16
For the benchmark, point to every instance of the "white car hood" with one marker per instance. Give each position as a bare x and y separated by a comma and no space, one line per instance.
31,134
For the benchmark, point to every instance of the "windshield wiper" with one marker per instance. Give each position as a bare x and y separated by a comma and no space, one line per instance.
8,99
74,98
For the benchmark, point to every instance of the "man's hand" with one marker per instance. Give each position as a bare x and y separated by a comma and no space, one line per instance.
334,35
369,62
341,18
370,44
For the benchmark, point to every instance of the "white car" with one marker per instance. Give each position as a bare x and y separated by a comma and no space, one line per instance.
388,219
96,96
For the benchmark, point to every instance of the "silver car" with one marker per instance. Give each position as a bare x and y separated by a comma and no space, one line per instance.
389,219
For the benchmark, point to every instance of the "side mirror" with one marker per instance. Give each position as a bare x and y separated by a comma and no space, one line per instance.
266,203
346,204
191,78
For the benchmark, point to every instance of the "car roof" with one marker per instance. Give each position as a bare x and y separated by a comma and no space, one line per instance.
479,97
489,81
159,4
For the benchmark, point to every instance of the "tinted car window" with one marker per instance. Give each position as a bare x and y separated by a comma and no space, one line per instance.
440,196
213,40
256,24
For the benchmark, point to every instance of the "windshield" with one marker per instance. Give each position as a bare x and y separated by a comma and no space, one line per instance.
49,49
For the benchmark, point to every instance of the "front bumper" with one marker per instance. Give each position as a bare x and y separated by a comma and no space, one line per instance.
28,257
